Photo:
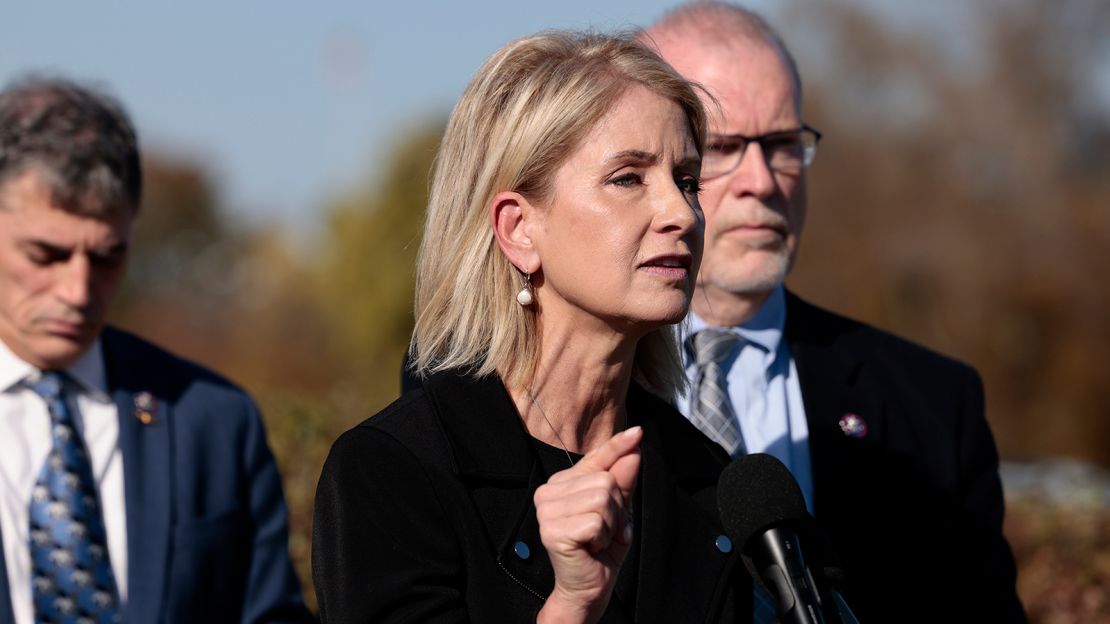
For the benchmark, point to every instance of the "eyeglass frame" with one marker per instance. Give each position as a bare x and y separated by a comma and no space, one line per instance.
810,149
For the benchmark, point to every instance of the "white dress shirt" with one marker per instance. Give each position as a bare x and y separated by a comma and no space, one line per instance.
25,442
764,389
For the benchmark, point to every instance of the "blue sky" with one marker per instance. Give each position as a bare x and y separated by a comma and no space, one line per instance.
287,103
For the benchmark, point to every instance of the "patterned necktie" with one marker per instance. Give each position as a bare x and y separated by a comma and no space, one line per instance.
72,579
711,410
713,414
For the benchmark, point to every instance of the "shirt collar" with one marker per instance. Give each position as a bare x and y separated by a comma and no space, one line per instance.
765,329
88,370
13,370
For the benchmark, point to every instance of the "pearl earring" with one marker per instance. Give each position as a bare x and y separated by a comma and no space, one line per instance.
524,297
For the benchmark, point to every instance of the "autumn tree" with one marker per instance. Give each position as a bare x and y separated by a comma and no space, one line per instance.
960,198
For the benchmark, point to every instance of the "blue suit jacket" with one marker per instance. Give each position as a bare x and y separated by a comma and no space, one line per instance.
207,533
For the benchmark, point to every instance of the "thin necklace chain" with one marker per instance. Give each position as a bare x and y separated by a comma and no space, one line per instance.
532,398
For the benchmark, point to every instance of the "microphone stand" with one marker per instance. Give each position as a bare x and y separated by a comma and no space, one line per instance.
836,607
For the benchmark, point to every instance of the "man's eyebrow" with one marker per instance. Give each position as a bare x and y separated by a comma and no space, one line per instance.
714,136
45,246
117,248
55,249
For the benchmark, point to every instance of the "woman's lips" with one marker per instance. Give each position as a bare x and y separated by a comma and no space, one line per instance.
671,266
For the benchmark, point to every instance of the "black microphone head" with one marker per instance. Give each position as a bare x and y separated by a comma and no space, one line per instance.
755,493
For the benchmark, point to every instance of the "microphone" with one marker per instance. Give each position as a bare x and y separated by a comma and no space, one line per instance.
764,511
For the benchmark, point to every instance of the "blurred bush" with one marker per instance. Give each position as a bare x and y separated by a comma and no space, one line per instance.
301,432
1058,523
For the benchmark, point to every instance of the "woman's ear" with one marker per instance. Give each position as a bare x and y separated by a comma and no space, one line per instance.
511,214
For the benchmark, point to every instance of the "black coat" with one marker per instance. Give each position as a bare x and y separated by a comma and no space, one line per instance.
914,504
421,509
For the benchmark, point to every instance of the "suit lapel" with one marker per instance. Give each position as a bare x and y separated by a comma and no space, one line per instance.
847,421
493,454
144,439
678,520
529,565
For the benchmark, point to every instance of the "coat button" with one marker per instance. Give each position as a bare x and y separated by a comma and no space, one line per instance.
522,551
724,544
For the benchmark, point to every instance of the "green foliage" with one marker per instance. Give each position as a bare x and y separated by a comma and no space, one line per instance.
301,430
366,276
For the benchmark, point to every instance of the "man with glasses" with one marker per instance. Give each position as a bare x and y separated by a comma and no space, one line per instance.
887,439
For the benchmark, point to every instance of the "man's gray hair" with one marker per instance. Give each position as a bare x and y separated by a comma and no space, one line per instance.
79,140
717,22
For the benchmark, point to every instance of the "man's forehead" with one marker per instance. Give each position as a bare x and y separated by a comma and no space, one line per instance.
748,81
743,59
31,217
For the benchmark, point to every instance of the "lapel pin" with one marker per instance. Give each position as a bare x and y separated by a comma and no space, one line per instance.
145,407
853,426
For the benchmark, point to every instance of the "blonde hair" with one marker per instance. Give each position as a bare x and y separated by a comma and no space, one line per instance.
526,110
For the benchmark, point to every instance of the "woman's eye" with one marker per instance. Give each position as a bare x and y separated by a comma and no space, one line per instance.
628,179
689,185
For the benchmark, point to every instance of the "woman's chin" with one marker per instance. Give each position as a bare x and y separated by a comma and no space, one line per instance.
661,316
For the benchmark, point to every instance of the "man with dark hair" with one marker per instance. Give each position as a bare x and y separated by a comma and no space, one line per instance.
134,485
887,439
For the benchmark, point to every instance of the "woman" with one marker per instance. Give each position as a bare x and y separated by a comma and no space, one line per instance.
538,476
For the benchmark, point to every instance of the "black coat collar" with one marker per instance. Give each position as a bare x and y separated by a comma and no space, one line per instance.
682,575
490,442
481,423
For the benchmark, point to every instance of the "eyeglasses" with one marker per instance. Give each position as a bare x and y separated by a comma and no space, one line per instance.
787,151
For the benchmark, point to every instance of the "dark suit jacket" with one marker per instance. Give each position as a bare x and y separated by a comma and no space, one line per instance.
207,534
420,510
914,505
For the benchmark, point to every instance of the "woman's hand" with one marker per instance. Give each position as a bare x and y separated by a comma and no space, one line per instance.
585,517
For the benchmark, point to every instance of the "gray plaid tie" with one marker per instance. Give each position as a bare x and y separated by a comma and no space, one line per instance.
711,410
